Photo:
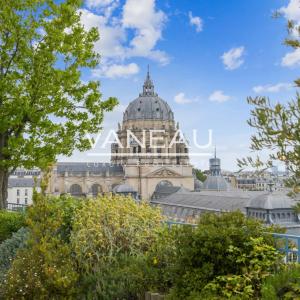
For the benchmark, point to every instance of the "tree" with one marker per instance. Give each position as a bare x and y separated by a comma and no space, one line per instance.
200,175
278,127
45,107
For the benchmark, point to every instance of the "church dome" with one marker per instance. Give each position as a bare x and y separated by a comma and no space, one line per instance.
215,183
148,106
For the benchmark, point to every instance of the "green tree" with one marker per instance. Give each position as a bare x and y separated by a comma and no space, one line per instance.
278,127
45,107
200,175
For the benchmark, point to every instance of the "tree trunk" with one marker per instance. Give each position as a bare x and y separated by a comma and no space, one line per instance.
4,174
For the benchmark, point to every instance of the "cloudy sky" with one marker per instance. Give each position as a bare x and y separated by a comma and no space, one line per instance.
205,56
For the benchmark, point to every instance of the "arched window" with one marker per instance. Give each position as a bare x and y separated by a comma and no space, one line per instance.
75,190
163,183
96,189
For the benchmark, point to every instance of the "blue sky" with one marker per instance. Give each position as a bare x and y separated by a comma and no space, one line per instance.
205,56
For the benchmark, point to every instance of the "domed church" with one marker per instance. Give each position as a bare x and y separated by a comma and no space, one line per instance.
136,161
147,165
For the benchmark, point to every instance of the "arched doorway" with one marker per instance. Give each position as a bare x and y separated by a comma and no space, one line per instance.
75,190
96,189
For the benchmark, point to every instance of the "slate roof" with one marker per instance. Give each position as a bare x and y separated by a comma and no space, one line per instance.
94,168
148,106
272,200
166,190
215,183
207,200
21,182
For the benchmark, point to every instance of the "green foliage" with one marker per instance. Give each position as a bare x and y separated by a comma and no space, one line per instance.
10,222
121,278
159,272
221,249
260,261
200,175
110,235
283,285
115,248
45,269
278,126
45,107
8,251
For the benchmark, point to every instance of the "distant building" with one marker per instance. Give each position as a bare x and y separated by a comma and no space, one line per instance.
138,169
274,208
20,187
246,184
215,181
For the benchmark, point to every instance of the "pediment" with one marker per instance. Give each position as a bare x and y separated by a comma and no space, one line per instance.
164,173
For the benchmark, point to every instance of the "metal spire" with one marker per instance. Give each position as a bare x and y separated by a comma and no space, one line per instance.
148,87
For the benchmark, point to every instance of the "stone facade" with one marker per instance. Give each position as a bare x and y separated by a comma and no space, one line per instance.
135,160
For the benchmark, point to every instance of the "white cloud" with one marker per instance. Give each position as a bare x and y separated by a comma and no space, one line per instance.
134,32
292,11
98,3
196,21
219,96
291,59
233,58
115,71
180,98
112,38
147,22
275,88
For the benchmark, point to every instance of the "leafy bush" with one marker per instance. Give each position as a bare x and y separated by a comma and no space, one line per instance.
258,263
283,285
110,235
10,222
45,269
8,250
222,248
159,273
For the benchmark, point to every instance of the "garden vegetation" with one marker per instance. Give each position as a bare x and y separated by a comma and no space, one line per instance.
114,248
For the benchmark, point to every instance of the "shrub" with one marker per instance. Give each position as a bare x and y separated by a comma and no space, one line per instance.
10,222
218,250
260,261
159,273
8,250
45,269
121,278
283,285
110,235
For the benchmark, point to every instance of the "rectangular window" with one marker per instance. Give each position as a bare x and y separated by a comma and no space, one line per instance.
159,152
18,201
26,200
26,192
18,192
